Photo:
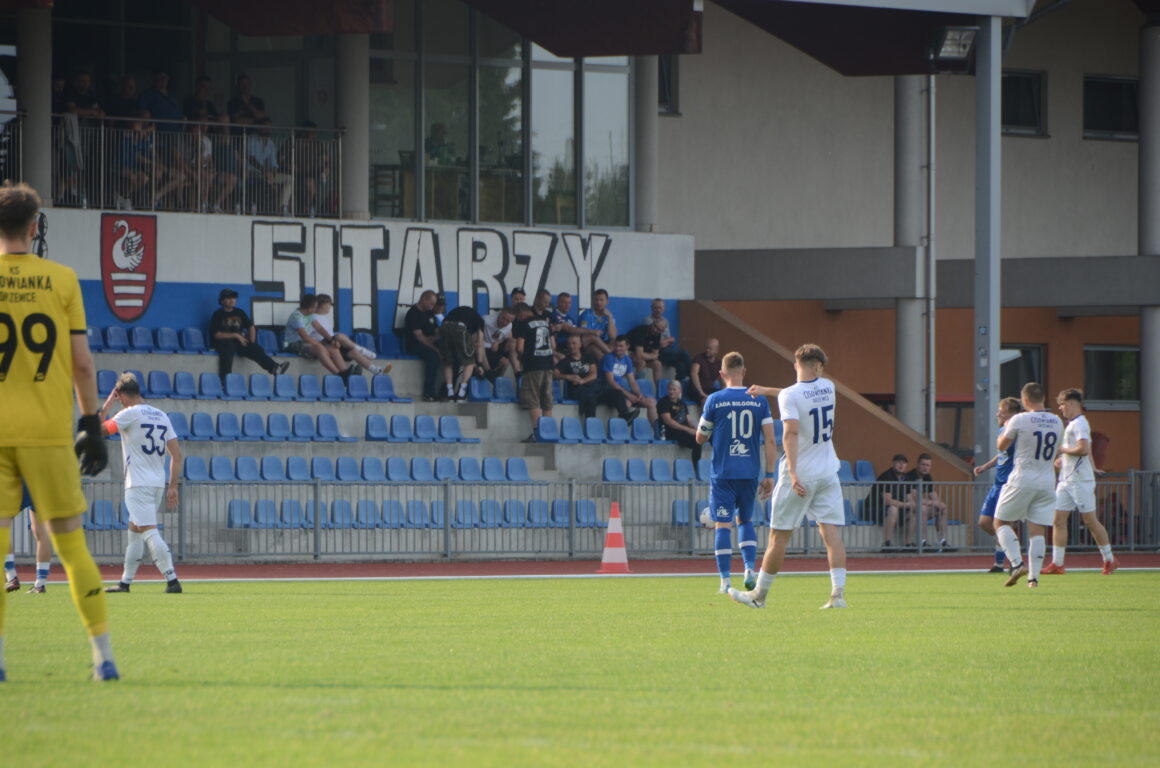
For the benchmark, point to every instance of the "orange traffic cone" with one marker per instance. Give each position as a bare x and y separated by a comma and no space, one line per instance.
615,559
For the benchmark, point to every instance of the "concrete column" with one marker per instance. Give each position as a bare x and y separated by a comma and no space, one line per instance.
1149,401
34,94
1149,233
354,114
645,144
909,210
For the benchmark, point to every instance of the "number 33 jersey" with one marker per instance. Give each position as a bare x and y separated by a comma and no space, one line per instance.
812,404
40,309
144,432
1038,437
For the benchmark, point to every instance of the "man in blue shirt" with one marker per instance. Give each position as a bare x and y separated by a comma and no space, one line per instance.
620,389
599,320
1003,462
736,418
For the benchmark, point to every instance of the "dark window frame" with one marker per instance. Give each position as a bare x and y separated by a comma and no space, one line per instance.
669,85
1097,400
1038,78
1131,107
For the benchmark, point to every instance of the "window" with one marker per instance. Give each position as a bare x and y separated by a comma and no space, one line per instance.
1019,364
1110,108
1111,377
668,101
1023,104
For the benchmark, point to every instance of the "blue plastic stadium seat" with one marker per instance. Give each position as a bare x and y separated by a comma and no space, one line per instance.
141,339
238,514
235,387
417,515
493,470
292,515
285,388
394,516
661,471
201,426
479,391
253,428
116,339
636,470
425,431
192,342
538,514
180,425
514,514
309,388
642,432
272,470
228,428
517,470
246,470
647,389
400,429
328,430
490,514
302,428
704,470
167,341
845,472
159,384
184,386
586,516
376,428
96,338
663,388
466,514
617,431
268,341
364,339
683,471
613,471
322,468
277,428
209,387
333,389
341,515
421,470
445,469
357,389
561,514
680,512
469,470
297,470
397,470
505,390
372,470
570,430
221,469
266,514
346,470
367,515
864,471
121,521
101,516
451,432
382,389
547,430
593,431
106,380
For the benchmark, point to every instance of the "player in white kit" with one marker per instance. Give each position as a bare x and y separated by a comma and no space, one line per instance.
1030,492
1077,485
807,482
146,437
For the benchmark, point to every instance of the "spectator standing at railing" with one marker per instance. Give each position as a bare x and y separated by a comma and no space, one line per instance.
670,351
82,111
312,172
80,99
227,166
200,105
262,156
674,417
232,333
245,108
123,104
196,155
133,161
161,105
705,375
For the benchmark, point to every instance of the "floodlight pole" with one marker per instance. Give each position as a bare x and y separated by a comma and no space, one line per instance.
988,79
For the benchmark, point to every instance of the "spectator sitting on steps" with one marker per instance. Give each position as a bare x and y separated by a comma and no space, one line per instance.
321,329
232,333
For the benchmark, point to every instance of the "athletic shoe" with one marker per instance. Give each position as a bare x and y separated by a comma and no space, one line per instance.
724,589
120,586
36,590
106,671
745,598
282,367
1032,583
13,584
631,415
530,438
1053,568
750,580
887,546
1017,572
834,602
1109,566
996,568
173,588
3,675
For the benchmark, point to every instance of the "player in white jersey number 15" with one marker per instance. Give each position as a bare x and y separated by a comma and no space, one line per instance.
146,437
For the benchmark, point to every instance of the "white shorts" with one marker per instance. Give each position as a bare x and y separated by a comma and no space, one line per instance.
143,503
822,502
1076,496
1035,505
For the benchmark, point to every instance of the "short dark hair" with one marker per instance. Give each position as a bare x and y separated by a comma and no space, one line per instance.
621,338
307,300
323,298
732,361
925,457
810,353
1011,405
127,384
19,205
600,292
563,295
1072,394
1033,392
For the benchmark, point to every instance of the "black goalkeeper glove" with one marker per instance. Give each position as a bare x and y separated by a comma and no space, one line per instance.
90,445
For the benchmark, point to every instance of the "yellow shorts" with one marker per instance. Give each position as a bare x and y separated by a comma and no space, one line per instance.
52,476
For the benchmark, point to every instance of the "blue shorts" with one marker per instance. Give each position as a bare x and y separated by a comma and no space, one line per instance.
25,498
732,497
989,503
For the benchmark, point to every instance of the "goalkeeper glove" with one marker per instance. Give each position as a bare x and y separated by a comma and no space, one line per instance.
90,445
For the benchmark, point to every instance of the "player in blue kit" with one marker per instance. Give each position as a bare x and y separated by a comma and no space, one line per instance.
1003,462
733,418
43,552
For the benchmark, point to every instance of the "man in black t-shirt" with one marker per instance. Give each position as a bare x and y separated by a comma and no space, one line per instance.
645,341
578,372
461,344
420,334
890,496
535,347
673,415
232,333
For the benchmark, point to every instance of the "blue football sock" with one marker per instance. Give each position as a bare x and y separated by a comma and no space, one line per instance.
998,555
747,541
723,543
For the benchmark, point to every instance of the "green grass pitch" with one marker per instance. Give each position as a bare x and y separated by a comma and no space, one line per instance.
921,670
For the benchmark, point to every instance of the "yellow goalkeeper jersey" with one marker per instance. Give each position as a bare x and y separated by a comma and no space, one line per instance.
40,308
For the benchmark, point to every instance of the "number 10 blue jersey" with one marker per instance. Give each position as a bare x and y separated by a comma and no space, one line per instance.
735,420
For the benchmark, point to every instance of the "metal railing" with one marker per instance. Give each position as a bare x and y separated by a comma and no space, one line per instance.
11,150
453,520
189,166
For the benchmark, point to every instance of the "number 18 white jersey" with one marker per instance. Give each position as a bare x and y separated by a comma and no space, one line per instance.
1038,436
144,433
812,403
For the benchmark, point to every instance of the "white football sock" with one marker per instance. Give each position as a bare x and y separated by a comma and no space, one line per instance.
1009,541
159,550
42,573
1058,554
837,580
1036,549
764,582
133,554
1106,553
10,567
375,369
102,649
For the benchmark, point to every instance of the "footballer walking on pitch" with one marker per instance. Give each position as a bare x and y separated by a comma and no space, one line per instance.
146,437
1003,462
733,417
1077,485
1030,492
43,552
44,358
807,483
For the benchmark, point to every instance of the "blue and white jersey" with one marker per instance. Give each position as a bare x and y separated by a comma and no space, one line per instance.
619,367
145,430
592,321
1076,469
735,420
1004,464
812,404
1038,435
